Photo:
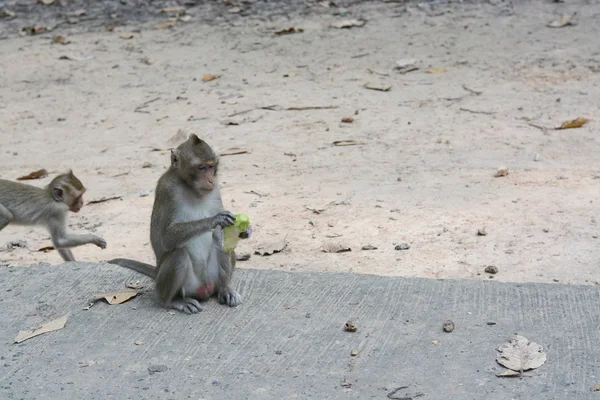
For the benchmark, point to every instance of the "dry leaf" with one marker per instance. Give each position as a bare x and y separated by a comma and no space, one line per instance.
575,123
34,30
166,25
54,325
138,343
104,199
335,248
271,248
563,21
127,35
348,23
75,58
373,71
381,87
407,65
502,171
347,120
436,70
46,249
117,297
348,142
233,151
60,39
435,341
41,173
288,31
7,13
209,77
519,354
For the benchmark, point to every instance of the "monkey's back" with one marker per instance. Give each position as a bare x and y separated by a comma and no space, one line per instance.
27,203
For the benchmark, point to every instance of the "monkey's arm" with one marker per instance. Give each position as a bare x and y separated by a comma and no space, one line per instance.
138,266
180,233
63,239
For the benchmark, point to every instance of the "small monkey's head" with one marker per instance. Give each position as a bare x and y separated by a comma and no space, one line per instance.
67,189
196,164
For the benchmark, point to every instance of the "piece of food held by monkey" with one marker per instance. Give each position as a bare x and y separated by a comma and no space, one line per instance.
186,232
22,204
241,229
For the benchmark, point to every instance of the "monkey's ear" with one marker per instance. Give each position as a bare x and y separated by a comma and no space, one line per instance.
195,139
58,194
174,159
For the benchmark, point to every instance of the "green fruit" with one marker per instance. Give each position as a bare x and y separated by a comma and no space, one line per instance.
231,234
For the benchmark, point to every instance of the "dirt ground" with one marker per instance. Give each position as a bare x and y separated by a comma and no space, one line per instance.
490,77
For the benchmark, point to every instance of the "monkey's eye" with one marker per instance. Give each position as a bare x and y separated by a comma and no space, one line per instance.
201,167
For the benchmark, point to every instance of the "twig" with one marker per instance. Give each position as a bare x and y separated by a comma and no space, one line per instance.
540,127
311,108
145,104
477,112
475,92
102,200
360,55
240,112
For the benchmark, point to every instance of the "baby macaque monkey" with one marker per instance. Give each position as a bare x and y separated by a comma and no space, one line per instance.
186,232
22,204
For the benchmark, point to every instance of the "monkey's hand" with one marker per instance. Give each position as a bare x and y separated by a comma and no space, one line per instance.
223,219
98,241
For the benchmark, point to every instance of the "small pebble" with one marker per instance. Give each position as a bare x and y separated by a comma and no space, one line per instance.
481,232
448,326
536,157
402,246
491,269
502,171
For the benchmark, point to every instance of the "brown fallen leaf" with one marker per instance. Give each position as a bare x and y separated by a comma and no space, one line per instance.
60,39
335,248
166,25
348,23
520,354
347,142
379,87
288,31
46,249
564,20
436,70
209,77
233,151
347,120
53,325
105,199
127,35
575,123
271,248
41,173
117,297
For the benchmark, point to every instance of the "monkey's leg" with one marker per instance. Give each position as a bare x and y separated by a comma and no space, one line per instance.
174,270
5,217
226,264
66,254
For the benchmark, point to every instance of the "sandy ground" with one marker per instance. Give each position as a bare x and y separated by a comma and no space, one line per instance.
422,174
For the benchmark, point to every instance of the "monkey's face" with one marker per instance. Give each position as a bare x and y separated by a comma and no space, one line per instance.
196,165
201,176
76,202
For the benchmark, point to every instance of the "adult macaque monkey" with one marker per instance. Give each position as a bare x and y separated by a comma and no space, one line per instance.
23,204
186,232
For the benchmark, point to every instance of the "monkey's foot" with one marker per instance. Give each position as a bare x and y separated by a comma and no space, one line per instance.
229,297
187,305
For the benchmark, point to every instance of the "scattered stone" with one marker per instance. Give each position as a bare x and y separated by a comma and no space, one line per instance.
350,327
491,269
491,323
157,368
278,352
448,326
354,353
481,232
147,165
502,171
402,246
369,247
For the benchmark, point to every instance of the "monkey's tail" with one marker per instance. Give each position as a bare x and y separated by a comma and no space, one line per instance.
137,266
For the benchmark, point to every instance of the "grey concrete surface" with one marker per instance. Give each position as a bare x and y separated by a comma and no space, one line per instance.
287,340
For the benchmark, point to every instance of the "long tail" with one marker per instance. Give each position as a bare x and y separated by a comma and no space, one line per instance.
138,266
